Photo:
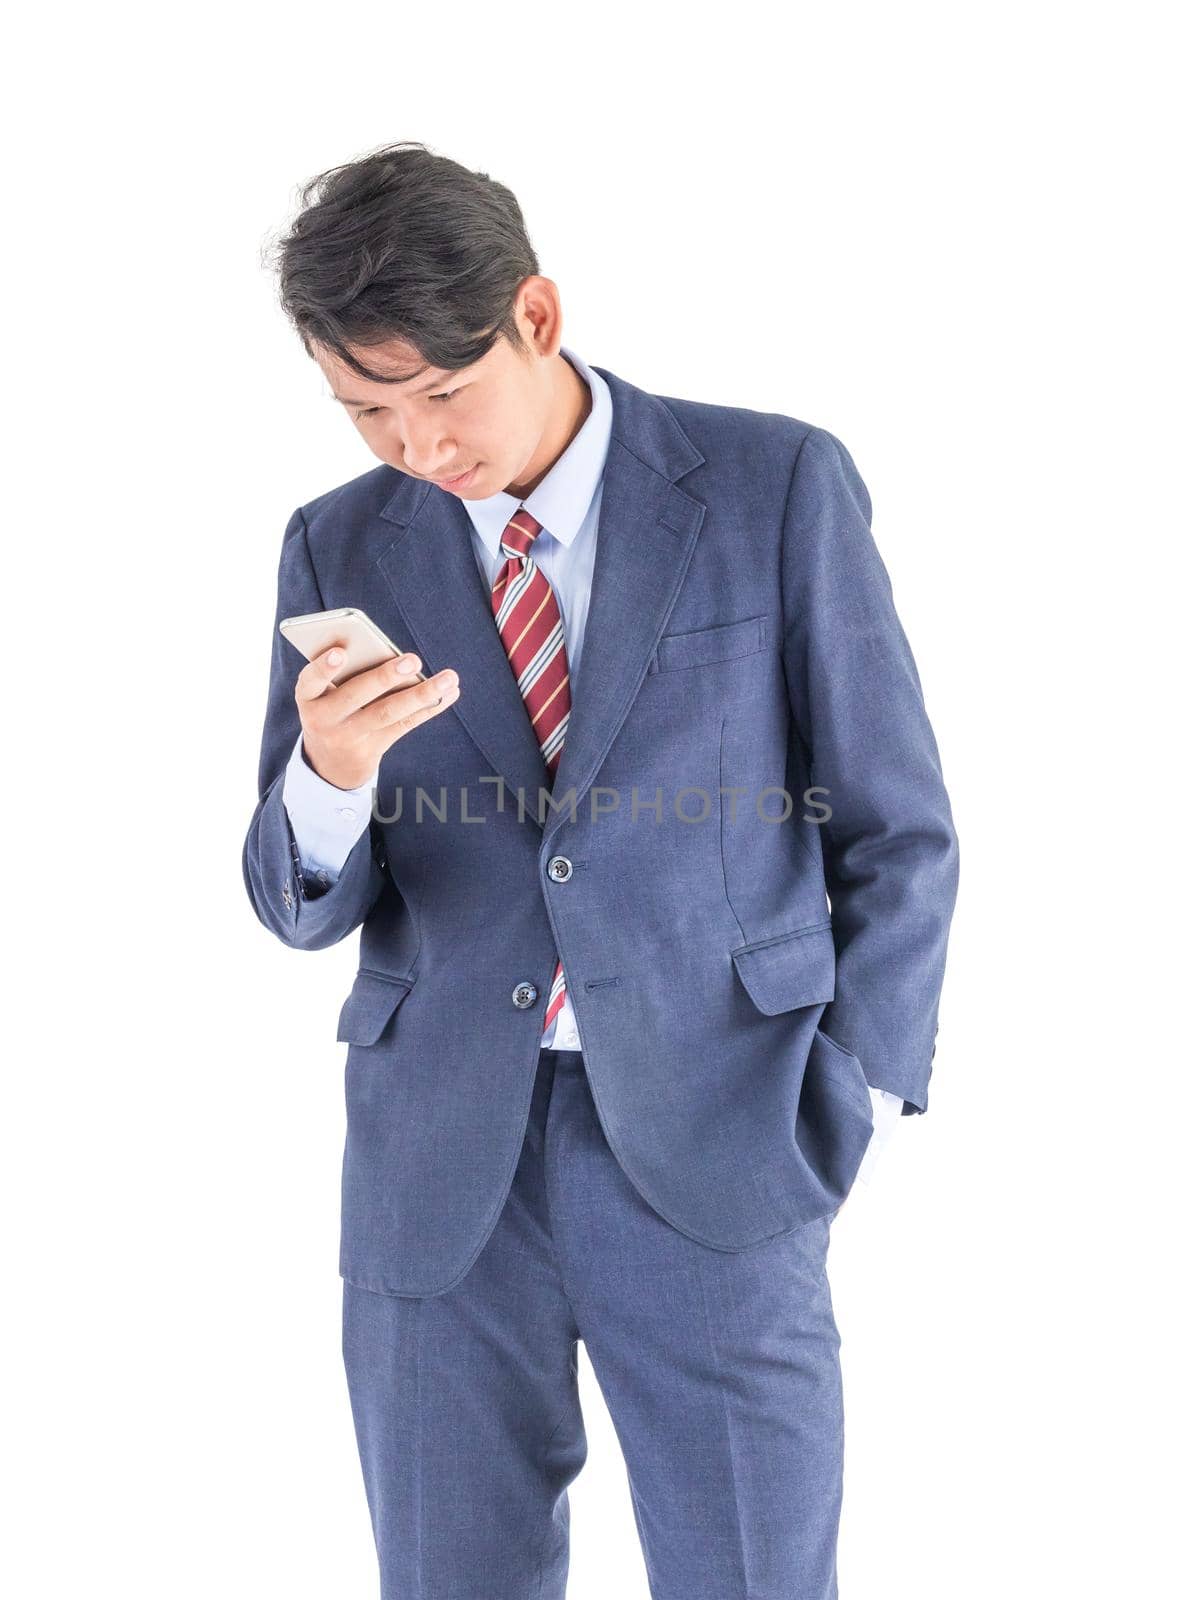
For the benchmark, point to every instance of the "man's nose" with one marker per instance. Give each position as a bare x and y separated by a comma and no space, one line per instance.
425,450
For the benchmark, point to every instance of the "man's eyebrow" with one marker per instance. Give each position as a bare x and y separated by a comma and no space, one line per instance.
422,389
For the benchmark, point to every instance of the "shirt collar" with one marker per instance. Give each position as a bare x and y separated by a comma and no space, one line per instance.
560,501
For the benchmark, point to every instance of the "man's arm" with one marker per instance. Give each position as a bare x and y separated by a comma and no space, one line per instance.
326,821
287,896
889,845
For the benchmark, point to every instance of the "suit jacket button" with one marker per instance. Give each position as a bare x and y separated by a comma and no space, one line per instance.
524,995
560,869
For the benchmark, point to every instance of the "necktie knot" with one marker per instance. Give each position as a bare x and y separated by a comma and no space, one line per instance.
520,533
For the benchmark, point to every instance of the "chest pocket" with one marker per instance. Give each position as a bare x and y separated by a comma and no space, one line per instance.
726,641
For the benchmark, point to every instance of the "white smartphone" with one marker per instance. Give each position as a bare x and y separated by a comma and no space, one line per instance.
365,645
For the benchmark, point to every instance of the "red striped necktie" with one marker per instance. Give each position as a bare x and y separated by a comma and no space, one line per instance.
531,629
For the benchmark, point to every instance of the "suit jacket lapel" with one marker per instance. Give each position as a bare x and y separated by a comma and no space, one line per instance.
647,531
444,607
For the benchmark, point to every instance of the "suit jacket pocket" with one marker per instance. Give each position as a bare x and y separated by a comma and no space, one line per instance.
727,641
373,1000
788,970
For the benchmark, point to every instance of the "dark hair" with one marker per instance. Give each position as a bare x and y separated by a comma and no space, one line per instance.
404,244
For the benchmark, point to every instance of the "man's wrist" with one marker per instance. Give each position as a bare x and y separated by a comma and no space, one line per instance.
352,789
326,820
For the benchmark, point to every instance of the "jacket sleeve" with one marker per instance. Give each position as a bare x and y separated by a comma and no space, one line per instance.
299,906
889,844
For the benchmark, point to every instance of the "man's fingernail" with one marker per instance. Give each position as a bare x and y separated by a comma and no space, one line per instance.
335,657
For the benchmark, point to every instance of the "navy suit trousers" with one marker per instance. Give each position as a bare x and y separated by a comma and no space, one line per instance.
720,1370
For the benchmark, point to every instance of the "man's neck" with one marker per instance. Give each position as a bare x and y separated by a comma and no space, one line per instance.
571,404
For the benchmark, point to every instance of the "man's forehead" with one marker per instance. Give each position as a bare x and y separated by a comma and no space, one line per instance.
396,361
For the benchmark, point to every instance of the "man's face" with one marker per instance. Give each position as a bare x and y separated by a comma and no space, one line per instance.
487,420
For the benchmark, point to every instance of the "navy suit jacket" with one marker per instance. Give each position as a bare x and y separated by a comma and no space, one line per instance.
741,966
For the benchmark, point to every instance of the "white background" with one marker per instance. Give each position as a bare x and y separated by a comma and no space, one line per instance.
949,235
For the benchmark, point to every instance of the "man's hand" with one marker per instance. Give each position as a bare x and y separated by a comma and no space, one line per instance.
348,728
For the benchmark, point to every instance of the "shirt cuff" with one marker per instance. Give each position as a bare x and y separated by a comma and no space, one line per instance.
886,1109
326,821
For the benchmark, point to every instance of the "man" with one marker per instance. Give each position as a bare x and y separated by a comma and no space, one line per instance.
653,902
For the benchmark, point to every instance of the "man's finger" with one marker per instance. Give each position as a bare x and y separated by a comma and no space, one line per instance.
404,709
400,672
317,675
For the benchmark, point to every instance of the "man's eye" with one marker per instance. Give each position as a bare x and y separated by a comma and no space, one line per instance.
372,410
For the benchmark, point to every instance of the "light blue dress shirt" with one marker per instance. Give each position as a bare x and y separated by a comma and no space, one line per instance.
327,821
